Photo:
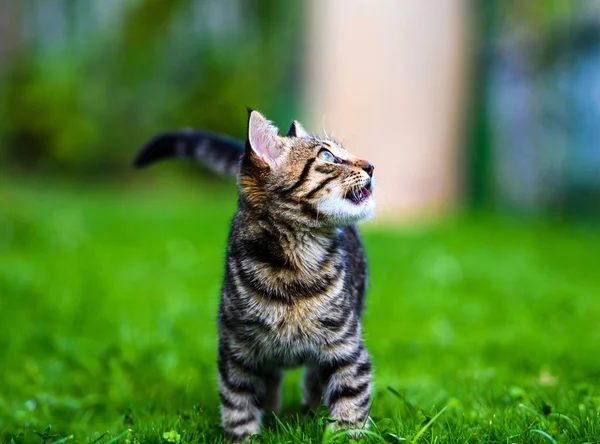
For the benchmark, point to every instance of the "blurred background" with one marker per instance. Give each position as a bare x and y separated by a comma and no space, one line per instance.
482,119
492,104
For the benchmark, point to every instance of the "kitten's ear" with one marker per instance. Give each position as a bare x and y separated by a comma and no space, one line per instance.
263,139
297,130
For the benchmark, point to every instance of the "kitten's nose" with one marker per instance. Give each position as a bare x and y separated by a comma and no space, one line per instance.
368,168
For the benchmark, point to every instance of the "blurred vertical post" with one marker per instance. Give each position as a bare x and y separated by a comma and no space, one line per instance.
388,78
10,38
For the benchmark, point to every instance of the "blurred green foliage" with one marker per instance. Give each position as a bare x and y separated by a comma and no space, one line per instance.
537,16
107,323
85,103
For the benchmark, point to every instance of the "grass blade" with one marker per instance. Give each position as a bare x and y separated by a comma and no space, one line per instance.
561,416
545,435
116,438
99,438
530,410
395,392
341,433
426,426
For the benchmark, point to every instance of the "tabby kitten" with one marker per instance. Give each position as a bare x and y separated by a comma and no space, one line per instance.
295,273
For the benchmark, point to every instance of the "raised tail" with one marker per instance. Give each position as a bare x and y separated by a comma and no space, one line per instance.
219,153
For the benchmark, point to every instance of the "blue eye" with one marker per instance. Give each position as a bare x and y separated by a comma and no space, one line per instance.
326,156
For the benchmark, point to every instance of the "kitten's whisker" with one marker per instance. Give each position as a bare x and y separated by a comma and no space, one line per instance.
323,126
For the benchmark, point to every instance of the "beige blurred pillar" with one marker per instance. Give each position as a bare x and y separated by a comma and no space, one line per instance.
387,78
10,32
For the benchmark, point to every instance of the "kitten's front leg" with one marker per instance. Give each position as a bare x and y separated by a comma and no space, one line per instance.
243,394
348,390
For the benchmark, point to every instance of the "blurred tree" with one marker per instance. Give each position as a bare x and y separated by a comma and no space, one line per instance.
96,79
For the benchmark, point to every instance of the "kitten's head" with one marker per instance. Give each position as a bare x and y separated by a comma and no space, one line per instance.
303,179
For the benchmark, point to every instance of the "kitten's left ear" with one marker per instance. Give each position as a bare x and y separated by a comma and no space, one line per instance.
263,139
297,130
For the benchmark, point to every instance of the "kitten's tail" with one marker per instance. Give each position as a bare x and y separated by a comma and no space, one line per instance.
219,153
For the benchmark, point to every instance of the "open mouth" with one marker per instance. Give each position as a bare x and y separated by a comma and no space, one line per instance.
357,196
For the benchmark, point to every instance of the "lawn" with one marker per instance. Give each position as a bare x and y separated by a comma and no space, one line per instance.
481,329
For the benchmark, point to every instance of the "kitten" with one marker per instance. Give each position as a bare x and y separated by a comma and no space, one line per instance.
295,274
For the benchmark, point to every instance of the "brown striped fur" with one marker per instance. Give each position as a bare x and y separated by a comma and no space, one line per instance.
294,281
295,276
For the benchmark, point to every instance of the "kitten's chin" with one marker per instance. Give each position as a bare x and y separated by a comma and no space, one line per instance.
341,211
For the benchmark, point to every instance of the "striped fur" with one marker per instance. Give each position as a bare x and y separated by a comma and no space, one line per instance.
295,279
219,153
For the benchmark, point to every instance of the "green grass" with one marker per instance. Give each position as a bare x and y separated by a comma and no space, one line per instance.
481,330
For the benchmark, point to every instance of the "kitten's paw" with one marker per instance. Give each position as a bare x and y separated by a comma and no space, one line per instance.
242,439
243,434
353,429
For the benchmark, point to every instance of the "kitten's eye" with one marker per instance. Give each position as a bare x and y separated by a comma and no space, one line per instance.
326,156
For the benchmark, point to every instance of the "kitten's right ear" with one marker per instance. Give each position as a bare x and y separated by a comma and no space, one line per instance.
263,139
297,130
